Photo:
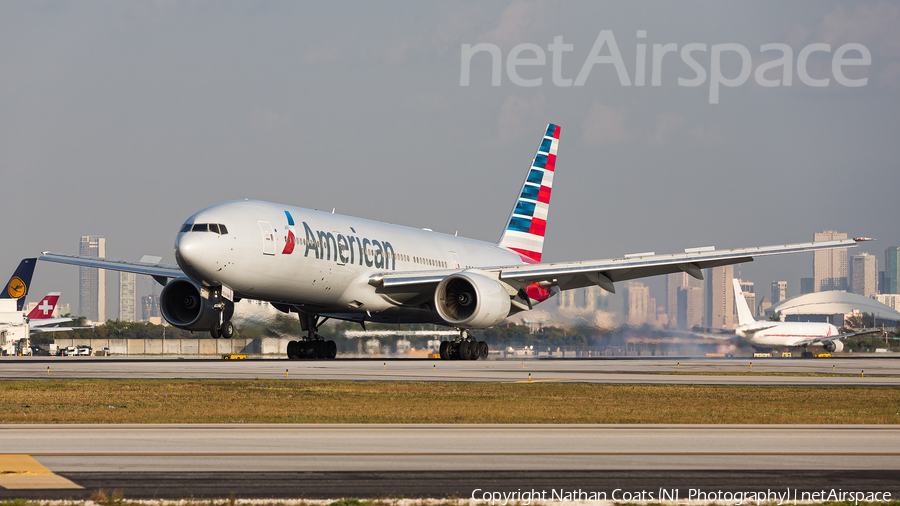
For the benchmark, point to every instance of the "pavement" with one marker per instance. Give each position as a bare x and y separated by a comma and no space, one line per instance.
340,460
841,371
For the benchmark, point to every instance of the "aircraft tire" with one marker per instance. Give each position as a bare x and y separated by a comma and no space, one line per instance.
306,349
465,350
474,350
226,331
319,349
445,350
330,350
292,353
214,331
483,349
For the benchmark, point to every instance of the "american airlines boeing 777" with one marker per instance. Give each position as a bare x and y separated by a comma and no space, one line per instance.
322,265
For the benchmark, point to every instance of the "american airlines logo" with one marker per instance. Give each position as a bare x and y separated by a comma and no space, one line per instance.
343,249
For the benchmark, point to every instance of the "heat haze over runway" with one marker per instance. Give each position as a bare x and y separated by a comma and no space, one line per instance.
862,371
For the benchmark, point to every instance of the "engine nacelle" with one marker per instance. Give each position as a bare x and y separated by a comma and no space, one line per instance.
182,304
833,346
471,300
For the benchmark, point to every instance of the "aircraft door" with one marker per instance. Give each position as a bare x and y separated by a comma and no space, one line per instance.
268,238
454,260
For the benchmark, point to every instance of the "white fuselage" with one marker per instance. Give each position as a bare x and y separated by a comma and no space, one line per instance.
322,262
767,333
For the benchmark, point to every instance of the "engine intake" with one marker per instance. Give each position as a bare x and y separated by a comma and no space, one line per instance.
469,299
182,304
834,346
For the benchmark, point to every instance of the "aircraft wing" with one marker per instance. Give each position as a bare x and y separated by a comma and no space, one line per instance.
839,336
571,275
160,272
48,322
604,273
40,330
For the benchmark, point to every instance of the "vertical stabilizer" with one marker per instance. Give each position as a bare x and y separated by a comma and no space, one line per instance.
17,286
743,310
44,310
524,232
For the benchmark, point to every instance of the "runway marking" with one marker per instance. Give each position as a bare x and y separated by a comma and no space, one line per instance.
543,381
22,472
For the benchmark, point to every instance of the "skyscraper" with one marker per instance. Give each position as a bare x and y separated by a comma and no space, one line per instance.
92,282
674,282
637,304
891,275
864,270
690,307
127,297
719,294
830,266
779,291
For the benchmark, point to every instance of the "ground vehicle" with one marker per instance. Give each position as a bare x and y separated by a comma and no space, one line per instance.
37,351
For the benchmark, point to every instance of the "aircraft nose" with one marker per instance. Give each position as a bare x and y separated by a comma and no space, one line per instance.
189,251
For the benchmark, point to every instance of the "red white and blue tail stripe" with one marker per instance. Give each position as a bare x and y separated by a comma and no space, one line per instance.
524,232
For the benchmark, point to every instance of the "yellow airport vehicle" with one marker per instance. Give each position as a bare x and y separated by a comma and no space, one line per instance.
822,355
434,355
785,354
234,357
762,355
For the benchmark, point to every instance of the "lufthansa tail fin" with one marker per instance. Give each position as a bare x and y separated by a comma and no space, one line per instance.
17,286
44,310
745,316
524,232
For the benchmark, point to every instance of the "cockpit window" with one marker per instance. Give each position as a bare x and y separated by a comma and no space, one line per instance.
216,228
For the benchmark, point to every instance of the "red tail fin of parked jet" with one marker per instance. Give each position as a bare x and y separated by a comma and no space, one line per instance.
44,310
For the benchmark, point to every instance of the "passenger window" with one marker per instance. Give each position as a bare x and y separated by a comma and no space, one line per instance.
213,228
200,227
222,229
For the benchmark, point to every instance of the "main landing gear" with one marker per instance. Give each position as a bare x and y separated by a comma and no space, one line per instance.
464,348
314,346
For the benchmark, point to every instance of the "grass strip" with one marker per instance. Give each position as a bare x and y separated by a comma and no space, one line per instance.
303,401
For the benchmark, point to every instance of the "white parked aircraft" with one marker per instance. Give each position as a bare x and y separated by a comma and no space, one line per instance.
772,334
322,265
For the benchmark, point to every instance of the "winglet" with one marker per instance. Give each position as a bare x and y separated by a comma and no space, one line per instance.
527,222
863,239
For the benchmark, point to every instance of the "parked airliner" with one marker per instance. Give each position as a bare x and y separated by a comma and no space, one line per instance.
772,334
322,265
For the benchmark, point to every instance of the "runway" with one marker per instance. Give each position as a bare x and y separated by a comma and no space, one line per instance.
841,371
176,461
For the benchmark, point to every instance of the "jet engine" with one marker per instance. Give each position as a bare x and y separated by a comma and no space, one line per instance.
471,300
833,346
183,304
